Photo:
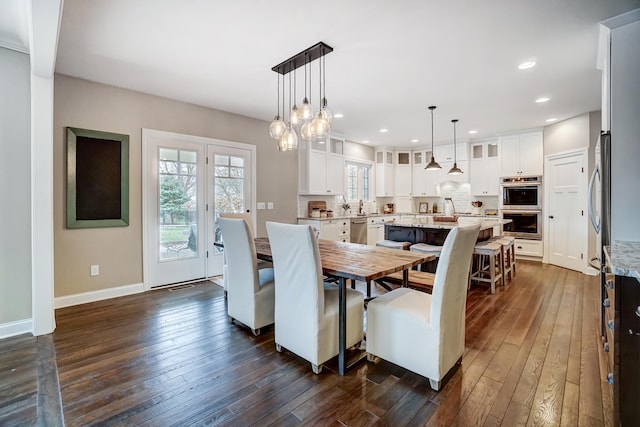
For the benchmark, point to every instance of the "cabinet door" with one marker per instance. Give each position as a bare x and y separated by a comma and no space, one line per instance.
531,158
418,184
510,156
334,174
328,230
317,170
477,169
492,174
403,174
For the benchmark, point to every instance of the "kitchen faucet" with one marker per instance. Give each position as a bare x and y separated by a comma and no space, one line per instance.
360,207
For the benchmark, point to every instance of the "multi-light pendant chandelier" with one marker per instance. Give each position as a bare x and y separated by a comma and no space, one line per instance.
313,127
433,165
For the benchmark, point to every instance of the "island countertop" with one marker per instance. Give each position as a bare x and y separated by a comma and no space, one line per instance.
439,225
624,258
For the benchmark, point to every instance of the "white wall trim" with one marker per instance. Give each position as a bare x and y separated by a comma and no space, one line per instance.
18,327
103,294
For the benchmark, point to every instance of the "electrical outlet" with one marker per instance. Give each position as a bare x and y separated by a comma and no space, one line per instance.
261,205
269,205
95,270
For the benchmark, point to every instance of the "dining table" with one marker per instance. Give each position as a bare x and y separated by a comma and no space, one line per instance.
353,261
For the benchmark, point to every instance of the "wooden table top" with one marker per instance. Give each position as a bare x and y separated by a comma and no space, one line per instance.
355,261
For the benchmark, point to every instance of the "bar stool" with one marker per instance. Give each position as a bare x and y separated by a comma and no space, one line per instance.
425,248
392,244
494,269
509,255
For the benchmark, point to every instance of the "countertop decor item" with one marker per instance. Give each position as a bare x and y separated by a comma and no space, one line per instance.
423,207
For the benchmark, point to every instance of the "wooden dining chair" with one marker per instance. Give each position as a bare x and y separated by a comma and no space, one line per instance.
250,291
306,311
423,332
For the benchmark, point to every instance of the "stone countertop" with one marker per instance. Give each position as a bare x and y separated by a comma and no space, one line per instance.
624,258
493,218
484,224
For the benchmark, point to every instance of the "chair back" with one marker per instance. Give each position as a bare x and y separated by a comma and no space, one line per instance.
241,215
240,253
298,280
448,299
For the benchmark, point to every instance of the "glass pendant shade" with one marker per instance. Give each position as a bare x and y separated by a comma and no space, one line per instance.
306,110
326,113
277,128
455,170
305,131
319,127
289,140
295,115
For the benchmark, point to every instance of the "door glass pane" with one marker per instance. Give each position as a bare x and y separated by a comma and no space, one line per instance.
492,150
229,187
178,202
417,157
403,158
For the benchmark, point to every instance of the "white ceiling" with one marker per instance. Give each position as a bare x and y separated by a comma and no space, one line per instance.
391,59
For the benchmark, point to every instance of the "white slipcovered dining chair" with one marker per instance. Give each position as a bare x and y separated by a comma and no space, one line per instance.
423,332
306,319
250,291
261,263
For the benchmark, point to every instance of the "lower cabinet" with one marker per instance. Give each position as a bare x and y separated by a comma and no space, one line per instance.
532,248
330,228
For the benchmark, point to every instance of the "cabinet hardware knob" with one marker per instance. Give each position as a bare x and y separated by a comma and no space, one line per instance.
609,285
606,302
610,324
550,216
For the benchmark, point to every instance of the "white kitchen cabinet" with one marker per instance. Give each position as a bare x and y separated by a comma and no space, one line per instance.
321,167
385,173
423,181
444,153
330,229
375,228
522,155
528,248
403,173
484,168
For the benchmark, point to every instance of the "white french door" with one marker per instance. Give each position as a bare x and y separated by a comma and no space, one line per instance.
230,177
187,182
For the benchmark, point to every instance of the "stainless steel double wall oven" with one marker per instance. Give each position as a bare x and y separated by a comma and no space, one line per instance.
521,202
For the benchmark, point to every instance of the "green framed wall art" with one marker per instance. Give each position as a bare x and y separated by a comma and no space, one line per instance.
97,179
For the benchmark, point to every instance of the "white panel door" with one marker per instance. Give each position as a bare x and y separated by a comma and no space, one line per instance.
566,212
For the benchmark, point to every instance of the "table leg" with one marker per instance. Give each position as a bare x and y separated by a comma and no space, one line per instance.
405,278
342,326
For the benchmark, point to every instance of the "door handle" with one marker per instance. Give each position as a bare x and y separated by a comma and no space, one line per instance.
595,222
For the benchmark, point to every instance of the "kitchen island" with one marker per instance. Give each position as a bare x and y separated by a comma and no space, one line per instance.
435,232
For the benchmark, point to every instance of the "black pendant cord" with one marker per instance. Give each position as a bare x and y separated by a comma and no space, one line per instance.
294,87
320,85
278,91
432,108
455,156
324,80
305,76
283,98
289,99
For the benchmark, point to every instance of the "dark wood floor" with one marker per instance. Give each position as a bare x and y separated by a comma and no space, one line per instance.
170,357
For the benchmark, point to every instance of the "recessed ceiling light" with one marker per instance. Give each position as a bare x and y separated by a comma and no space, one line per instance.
542,99
553,119
526,65
338,115
383,130
366,141
473,131
415,140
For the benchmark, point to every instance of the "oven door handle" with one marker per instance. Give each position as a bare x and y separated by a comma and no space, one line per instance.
595,221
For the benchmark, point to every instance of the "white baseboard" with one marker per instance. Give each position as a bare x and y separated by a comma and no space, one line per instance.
92,296
18,327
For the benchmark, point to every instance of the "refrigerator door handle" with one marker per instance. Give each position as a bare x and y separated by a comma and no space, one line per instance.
595,221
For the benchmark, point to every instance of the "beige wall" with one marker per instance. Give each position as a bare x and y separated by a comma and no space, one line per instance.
118,251
15,187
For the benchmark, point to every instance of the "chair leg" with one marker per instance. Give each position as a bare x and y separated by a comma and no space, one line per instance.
316,368
492,273
256,332
278,348
371,357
